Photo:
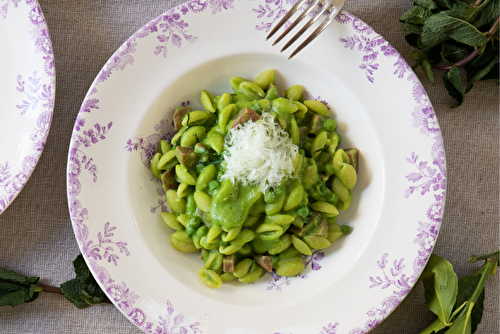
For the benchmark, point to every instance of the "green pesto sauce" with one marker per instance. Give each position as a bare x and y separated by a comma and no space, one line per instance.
231,204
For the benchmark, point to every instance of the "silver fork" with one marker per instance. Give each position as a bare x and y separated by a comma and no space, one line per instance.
333,7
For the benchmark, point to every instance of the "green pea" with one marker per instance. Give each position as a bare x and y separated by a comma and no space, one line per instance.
330,125
303,211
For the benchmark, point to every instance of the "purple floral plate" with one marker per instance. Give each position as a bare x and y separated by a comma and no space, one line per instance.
380,107
27,92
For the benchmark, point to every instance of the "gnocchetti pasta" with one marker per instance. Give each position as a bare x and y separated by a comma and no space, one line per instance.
255,180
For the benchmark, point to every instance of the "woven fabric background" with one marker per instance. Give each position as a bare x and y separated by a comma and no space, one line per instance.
36,237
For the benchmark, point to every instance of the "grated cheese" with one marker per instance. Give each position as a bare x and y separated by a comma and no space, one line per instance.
259,153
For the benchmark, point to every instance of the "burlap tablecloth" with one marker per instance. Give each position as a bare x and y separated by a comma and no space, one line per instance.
36,237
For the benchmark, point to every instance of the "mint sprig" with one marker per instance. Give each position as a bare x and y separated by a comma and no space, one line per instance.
454,34
458,303
82,291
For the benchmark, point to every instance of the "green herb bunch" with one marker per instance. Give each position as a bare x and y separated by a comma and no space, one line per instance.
458,303
451,34
82,291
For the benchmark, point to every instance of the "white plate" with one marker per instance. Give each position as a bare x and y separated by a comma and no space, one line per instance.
27,92
380,107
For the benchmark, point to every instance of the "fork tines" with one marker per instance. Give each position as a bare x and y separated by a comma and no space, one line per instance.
329,6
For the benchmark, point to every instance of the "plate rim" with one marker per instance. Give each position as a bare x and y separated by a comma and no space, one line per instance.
105,71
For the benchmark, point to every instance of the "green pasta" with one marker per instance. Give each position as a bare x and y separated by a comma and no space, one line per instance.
267,219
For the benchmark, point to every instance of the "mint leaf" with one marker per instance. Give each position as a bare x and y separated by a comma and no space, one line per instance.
414,40
73,291
429,4
444,4
83,290
16,289
487,13
453,83
440,27
440,283
12,276
462,11
452,52
416,15
461,326
466,287
426,66
494,74
483,64
410,27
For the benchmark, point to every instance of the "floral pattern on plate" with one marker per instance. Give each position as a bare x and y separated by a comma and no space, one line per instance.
113,241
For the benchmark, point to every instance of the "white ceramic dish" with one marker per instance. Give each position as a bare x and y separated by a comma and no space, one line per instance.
380,107
27,92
